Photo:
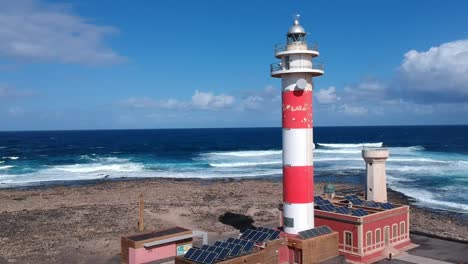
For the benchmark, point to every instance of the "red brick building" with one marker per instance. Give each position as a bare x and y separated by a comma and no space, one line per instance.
367,232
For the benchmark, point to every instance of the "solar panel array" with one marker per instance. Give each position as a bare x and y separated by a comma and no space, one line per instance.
232,247
359,212
314,232
356,201
261,234
200,256
326,205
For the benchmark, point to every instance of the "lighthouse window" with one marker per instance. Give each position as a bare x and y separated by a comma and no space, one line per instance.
287,61
394,231
402,228
348,238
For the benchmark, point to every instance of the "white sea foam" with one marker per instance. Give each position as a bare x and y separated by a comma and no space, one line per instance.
12,158
428,199
97,167
6,167
248,153
245,164
345,145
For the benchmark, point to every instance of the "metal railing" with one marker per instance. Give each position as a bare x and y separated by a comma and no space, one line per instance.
310,46
278,66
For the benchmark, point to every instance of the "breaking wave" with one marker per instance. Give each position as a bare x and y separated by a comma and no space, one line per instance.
359,145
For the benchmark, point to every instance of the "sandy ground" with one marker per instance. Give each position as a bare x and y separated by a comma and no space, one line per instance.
83,224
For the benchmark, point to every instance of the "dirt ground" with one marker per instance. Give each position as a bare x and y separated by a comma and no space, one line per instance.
83,224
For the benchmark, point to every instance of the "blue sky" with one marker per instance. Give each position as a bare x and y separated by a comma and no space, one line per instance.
158,64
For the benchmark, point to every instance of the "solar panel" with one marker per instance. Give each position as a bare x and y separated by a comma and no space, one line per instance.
235,250
263,237
189,253
359,212
275,235
217,243
326,202
251,235
342,210
210,259
246,233
196,254
386,206
248,246
236,241
314,232
318,198
328,207
351,197
223,253
356,201
202,256
370,204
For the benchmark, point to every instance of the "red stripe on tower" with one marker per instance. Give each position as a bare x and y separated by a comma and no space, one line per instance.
298,186
297,109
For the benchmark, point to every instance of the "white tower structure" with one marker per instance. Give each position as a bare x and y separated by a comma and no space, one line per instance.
376,178
296,71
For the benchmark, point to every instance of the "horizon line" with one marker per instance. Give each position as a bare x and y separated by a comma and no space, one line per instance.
193,128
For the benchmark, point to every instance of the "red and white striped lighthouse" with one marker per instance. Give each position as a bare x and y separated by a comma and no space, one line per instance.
296,71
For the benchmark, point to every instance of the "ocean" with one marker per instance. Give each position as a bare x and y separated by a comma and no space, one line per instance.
427,163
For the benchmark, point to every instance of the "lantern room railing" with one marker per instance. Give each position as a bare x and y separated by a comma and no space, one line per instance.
278,66
282,46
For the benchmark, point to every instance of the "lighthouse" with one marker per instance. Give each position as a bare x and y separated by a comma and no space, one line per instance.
296,70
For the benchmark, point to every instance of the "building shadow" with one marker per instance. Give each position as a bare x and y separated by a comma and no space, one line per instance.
240,222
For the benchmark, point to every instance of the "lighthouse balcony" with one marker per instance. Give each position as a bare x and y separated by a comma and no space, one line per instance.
298,47
277,69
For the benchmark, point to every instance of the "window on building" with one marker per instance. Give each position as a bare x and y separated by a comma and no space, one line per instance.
348,238
369,238
402,228
378,236
394,230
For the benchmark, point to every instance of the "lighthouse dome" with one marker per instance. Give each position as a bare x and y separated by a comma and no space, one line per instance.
296,28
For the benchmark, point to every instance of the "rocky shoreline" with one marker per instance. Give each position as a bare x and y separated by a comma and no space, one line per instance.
83,224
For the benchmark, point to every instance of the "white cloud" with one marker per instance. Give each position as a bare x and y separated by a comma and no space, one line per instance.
354,110
267,99
35,31
368,89
204,100
252,102
200,100
146,102
326,96
439,74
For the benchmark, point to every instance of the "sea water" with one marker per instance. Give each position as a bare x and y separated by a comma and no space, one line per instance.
428,163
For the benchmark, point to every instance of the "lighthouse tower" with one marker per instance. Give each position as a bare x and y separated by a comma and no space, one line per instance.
296,71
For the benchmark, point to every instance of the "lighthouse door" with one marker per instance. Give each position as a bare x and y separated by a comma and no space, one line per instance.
387,235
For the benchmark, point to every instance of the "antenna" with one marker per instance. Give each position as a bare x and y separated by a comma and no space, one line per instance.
296,19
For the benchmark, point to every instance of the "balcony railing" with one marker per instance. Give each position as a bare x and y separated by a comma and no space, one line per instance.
278,66
282,46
